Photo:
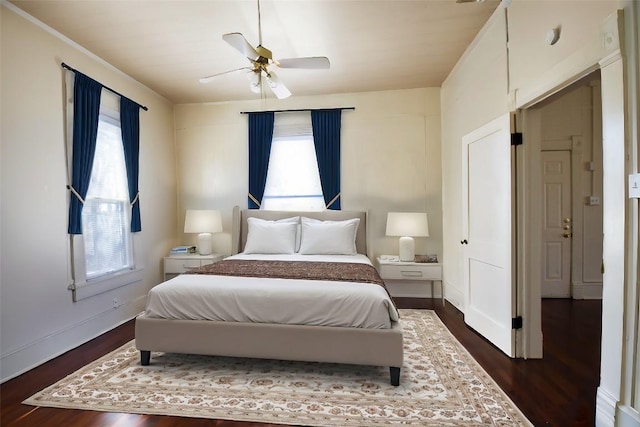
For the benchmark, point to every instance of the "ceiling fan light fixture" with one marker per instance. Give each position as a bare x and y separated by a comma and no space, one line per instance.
254,81
253,76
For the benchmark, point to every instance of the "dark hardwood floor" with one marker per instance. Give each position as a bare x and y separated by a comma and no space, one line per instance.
558,390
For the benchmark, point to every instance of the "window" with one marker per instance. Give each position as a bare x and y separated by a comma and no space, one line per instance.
106,213
293,180
107,254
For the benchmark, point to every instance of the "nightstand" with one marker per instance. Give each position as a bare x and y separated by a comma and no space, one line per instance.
178,264
401,274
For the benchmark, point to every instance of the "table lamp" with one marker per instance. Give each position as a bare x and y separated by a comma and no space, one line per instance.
203,222
407,225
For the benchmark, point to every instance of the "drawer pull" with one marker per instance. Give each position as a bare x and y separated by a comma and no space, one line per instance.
408,273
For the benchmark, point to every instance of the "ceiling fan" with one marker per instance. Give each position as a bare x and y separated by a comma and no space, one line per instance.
261,59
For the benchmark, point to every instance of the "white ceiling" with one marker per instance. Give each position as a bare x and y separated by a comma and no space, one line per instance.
372,45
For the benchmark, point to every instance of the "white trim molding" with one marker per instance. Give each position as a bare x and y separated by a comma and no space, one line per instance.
35,353
627,417
606,404
454,296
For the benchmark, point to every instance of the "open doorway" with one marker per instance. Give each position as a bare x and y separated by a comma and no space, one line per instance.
559,192
567,130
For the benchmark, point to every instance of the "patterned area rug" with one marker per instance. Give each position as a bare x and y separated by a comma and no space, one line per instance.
441,385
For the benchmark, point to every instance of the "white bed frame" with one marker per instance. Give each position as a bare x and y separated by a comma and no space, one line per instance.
376,347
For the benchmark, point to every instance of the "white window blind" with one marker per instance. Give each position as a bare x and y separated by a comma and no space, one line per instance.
106,214
293,180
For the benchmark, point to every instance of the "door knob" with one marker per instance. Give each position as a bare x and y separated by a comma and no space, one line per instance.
566,227
566,220
463,242
566,234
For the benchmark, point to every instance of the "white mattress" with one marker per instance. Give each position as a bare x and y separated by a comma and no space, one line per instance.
283,301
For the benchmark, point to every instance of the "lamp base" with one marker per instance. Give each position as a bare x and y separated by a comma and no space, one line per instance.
204,244
407,249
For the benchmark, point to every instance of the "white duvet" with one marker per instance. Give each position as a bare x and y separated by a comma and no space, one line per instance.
283,301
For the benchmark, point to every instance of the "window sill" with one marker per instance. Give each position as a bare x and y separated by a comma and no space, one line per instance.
95,287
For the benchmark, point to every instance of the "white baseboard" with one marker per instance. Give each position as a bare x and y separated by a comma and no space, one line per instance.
454,296
586,290
627,417
606,405
35,353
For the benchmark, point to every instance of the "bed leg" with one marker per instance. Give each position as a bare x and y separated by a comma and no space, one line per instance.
145,356
395,375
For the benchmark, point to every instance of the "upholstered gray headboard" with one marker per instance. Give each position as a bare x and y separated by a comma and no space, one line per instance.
239,230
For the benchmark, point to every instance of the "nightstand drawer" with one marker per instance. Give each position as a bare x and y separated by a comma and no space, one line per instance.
178,264
181,265
410,272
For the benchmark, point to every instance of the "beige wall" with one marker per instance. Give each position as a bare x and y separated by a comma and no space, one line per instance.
532,71
473,94
390,159
536,67
38,319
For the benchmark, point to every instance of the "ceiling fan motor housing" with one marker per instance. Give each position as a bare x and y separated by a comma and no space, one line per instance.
265,54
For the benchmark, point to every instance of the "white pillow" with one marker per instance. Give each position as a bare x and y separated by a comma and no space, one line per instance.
296,220
328,237
271,237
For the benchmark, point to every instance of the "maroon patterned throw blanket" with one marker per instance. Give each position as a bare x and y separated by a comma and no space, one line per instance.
301,270
305,270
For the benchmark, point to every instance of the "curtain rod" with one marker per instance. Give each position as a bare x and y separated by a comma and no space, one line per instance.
295,111
106,87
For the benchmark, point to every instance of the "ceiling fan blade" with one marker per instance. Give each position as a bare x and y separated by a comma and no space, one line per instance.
214,76
309,63
238,42
276,86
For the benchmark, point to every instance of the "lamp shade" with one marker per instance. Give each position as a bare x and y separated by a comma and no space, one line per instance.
407,225
412,224
203,222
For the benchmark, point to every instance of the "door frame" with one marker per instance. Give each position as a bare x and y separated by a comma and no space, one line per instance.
529,216
619,218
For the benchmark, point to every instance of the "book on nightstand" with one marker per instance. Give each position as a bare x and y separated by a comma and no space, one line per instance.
183,250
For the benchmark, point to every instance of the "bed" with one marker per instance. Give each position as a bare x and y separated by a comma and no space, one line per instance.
174,322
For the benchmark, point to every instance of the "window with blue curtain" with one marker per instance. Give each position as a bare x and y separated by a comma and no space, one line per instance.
286,192
103,183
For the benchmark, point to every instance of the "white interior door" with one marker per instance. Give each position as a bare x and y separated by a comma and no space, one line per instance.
556,224
487,210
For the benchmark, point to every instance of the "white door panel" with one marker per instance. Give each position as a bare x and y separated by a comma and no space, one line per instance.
557,224
489,294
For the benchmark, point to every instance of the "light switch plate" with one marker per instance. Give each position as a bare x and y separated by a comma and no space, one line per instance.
634,186
594,200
